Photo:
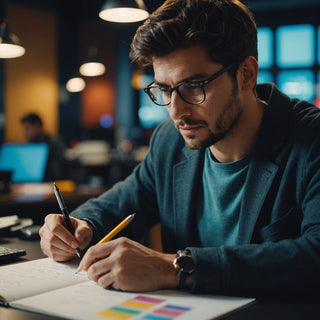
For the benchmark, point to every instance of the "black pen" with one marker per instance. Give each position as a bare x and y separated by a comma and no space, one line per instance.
65,213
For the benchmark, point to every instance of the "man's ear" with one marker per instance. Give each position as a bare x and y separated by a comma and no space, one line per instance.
248,73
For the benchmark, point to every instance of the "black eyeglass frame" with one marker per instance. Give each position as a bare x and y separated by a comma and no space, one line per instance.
201,83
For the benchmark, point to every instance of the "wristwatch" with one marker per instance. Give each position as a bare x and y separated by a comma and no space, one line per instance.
184,265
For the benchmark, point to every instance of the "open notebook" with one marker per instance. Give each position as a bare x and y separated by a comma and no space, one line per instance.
27,161
48,287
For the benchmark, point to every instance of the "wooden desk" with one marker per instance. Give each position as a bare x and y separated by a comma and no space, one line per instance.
261,310
37,200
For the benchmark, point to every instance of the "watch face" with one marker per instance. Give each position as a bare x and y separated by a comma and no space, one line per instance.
185,263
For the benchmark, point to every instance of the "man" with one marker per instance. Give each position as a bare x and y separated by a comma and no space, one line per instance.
34,132
233,177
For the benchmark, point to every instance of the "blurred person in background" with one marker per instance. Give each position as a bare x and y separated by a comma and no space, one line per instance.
34,132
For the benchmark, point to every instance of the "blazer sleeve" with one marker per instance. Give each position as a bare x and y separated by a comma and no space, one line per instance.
137,193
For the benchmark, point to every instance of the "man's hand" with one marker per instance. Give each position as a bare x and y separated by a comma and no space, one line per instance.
58,243
126,265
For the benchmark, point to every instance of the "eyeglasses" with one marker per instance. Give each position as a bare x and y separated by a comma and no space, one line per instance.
191,92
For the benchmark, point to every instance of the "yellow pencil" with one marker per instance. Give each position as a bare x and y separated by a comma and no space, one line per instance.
117,229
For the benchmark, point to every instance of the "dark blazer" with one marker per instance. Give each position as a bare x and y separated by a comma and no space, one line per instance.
278,249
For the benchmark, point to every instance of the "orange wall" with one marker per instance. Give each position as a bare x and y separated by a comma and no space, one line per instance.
31,83
98,99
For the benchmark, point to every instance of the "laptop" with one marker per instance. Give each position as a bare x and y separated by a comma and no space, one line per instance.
26,161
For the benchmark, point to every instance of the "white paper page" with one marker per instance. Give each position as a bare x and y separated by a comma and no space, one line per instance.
88,301
33,277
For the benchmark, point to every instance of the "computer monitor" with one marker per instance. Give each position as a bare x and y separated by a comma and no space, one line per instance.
27,161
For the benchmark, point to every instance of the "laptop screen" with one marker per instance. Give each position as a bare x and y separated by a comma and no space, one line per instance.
27,161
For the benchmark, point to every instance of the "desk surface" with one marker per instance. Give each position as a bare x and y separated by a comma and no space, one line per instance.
37,200
261,310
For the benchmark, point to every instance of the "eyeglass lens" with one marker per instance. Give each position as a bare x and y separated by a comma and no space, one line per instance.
190,93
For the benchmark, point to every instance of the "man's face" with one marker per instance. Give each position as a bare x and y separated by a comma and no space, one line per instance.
32,132
207,123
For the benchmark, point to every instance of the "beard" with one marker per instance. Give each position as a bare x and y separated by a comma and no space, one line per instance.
226,121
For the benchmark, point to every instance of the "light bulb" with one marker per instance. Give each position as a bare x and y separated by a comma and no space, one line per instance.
75,84
92,69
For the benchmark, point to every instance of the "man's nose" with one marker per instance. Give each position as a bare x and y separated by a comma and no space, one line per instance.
178,109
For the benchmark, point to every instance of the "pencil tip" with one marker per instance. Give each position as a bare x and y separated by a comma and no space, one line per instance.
78,270
78,253
131,216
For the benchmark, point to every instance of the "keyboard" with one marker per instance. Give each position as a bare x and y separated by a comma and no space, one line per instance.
9,254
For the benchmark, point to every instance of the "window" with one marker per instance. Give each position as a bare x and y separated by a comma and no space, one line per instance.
318,49
265,76
288,56
297,83
265,47
295,46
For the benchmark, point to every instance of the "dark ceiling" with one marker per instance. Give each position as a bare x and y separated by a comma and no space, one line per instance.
90,8
80,8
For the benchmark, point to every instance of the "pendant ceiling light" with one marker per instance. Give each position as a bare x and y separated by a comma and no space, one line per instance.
75,84
92,66
123,11
10,46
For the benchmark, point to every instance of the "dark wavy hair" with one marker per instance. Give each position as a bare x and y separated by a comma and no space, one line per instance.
225,28
32,118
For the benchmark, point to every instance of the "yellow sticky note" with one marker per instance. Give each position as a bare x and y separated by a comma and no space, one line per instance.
114,315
